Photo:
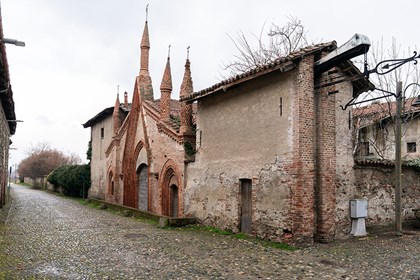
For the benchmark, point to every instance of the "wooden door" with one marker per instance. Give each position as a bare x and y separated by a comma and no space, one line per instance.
246,206
174,201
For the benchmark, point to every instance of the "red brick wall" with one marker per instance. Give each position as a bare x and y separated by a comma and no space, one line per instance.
325,162
303,166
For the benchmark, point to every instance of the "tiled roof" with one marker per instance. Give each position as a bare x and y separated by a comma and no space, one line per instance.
378,111
105,113
261,70
380,163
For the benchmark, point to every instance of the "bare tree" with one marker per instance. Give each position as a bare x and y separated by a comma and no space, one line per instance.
282,40
375,123
42,159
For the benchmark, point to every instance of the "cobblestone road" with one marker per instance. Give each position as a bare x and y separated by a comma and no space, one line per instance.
50,237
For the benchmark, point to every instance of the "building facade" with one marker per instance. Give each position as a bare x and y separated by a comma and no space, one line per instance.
375,130
7,118
271,145
139,149
268,152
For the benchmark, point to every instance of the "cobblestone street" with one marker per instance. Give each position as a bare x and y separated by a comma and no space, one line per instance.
50,237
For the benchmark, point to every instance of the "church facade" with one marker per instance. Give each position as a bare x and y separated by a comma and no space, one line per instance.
138,148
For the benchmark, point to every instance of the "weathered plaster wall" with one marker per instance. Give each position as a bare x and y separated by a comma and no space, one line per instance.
98,163
345,176
243,133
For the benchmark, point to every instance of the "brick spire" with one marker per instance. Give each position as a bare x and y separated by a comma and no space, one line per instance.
186,89
166,90
125,99
145,82
144,49
116,115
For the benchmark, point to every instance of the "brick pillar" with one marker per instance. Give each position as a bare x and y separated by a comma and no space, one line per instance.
186,109
186,118
325,155
116,115
164,105
303,166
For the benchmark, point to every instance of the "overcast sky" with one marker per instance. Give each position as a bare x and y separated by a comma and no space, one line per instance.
77,52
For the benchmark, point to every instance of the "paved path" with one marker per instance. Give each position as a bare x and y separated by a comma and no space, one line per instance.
50,237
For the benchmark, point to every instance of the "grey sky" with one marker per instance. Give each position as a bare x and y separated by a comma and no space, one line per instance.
78,51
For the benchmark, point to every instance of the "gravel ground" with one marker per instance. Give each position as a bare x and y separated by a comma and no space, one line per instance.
50,237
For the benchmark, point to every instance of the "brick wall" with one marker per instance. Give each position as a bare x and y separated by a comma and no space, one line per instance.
303,167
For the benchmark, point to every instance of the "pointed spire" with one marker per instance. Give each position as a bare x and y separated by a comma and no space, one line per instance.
186,89
166,90
145,82
145,43
187,84
167,77
116,115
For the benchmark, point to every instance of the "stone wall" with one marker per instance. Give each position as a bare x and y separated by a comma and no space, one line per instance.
376,184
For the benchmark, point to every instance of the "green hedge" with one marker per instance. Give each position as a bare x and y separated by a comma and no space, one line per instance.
73,179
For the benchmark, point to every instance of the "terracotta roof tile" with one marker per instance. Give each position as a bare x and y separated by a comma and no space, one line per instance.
378,111
262,69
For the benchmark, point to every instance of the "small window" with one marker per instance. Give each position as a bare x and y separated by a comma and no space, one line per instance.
102,133
364,148
411,147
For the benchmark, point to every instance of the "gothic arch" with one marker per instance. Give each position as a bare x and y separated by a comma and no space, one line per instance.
142,189
170,189
110,179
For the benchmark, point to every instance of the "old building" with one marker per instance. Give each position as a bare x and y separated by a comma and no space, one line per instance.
271,144
268,152
7,117
375,130
138,149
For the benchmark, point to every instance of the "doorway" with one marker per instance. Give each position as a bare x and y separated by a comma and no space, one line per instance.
246,205
142,184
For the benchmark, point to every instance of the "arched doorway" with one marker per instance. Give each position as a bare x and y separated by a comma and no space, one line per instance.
111,184
173,201
142,187
170,194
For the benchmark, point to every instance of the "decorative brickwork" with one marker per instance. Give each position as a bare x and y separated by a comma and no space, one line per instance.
116,115
165,89
186,109
145,82
170,176
129,162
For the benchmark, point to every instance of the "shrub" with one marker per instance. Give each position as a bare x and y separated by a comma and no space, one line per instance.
73,179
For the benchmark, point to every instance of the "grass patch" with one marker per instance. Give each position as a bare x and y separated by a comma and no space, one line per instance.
239,236
24,184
